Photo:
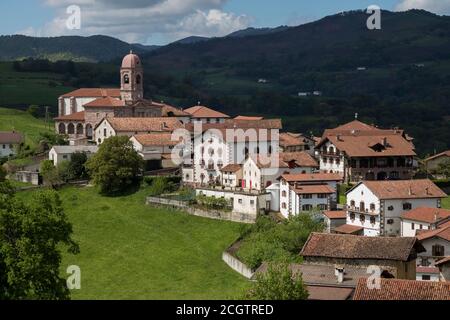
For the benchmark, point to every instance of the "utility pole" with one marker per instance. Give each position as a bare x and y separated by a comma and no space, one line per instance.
47,122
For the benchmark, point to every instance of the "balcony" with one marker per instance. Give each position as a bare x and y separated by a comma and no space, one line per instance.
360,211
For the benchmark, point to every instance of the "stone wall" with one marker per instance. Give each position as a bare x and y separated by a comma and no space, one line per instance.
211,214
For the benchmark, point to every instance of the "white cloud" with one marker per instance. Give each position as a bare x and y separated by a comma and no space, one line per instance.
436,6
140,20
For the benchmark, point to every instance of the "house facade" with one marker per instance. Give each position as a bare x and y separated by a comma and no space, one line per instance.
9,143
377,206
308,191
358,151
59,154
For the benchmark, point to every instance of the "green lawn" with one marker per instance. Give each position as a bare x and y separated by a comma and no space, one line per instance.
446,203
132,251
21,121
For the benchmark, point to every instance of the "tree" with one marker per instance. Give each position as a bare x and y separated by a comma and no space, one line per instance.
30,235
33,110
2,174
116,166
278,283
444,169
50,174
77,166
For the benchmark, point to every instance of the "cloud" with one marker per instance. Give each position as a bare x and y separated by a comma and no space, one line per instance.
141,20
436,6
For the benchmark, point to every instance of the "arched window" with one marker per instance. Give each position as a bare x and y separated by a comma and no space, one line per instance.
80,128
138,79
71,128
62,128
126,79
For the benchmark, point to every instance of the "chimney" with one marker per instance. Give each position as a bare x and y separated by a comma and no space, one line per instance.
410,191
339,137
339,273
385,142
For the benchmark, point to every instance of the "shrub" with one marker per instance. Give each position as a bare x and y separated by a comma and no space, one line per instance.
213,203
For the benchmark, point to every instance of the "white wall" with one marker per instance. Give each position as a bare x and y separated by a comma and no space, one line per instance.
274,191
428,245
409,228
7,150
327,167
433,277
102,128
242,203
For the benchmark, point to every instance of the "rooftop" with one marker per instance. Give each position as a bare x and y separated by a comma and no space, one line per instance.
156,139
442,154
231,168
77,116
428,215
396,289
105,102
93,93
148,125
11,137
305,177
443,232
205,112
335,214
341,246
404,189
348,229
74,149
314,189
249,118
289,139
301,159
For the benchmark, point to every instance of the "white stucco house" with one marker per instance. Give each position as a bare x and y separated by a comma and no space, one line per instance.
9,143
307,191
59,154
377,206
232,176
206,115
422,219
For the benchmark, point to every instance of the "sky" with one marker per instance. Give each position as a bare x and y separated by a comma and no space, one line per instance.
163,21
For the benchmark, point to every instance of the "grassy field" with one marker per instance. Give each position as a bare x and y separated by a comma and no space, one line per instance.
21,121
132,251
446,203
26,88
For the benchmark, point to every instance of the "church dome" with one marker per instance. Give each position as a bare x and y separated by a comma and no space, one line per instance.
131,61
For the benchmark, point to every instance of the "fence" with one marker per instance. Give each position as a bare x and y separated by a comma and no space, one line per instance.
229,257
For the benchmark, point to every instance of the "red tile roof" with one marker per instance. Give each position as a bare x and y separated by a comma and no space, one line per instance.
342,246
442,232
248,118
289,139
314,189
11,137
442,154
77,116
421,269
301,159
156,139
357,125
335,214
105,102
348,229
145,124
312,177
205,112
405,189
231,168
429,215
93,93
396,289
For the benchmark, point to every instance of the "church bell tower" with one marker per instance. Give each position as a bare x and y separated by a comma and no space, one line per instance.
132,77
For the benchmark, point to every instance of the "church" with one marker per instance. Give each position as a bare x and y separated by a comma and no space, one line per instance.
82,110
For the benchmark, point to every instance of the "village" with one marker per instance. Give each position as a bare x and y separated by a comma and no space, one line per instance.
361,181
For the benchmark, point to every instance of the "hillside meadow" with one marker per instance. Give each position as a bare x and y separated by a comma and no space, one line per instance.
133,251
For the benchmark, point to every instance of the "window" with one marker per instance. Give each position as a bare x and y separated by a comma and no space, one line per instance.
307,196
426,277
413,226
362,206
284,194
252,202
138,79
391,208
390,221
64,156
126,79
240,201
322,207
352,203
362,218
352,216
372,220
372,207
425,262
438,250
322,195
407,206
104,132
283,205
307,207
